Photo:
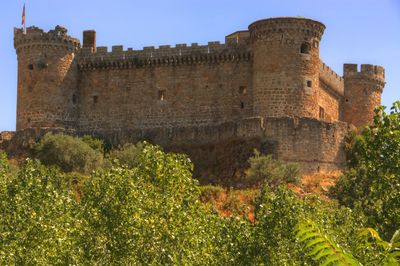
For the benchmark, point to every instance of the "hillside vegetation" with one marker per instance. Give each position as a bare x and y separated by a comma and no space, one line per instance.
79,203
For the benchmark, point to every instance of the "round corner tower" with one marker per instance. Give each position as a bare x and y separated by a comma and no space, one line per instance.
47,78
286,66
362,93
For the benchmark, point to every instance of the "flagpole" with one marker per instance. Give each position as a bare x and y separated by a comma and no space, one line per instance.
23,18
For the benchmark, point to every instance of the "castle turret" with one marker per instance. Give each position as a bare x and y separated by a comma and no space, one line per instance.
47,78
362,93
286,66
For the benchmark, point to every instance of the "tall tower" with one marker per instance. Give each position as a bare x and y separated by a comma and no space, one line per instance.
362,93
47,78
286,66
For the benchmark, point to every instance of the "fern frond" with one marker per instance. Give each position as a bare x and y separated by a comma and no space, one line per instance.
391,254
320,246
393,251
370,232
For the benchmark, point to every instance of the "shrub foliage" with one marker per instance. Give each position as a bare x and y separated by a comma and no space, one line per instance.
372,184
146,209
265,169
69,153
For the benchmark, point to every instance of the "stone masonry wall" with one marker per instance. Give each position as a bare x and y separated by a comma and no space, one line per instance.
316,145
165,96
329,103
164,87
220,152
363,93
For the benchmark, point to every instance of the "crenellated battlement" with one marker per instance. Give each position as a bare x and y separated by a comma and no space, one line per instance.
328,76
261,29
36,37
363,89
368,72
213,52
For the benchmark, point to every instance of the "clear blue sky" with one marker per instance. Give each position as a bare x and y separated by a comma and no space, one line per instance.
358,31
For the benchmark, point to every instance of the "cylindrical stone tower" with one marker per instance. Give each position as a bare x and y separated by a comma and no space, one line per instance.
47,78
362,93
286,66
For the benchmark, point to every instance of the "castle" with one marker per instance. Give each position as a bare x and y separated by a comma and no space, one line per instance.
265,88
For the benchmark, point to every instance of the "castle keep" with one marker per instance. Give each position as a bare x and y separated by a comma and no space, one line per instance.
265,88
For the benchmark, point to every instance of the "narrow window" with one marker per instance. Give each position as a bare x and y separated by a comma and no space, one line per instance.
74,99
321,113
241,105
309,83
95,99
161,95
242,90
305,48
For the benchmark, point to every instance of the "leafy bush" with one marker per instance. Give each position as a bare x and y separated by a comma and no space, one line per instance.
127,154
278,212
370,249
4,166
320,247
36,218
372,185
94,143
265,169
68,153
149,214
210,193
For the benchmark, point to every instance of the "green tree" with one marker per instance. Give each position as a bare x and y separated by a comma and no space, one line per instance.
265,169
37,224
69,153
94,143
372,184
149,214
127,154
276,216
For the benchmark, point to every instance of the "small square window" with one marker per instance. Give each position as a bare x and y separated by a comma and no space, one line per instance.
309,83
305,48
321,113
161,95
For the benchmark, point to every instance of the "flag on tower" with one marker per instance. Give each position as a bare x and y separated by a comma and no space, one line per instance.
23,18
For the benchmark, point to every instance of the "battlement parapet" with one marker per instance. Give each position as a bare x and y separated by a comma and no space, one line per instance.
261,29
214,52
328,76
36,37
368,72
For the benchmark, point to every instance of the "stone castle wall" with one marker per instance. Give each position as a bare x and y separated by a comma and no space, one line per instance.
181,86
265,88
220,152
